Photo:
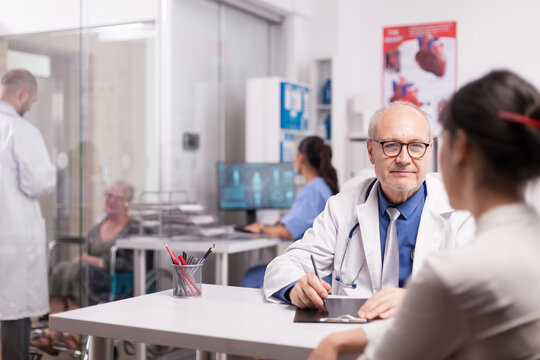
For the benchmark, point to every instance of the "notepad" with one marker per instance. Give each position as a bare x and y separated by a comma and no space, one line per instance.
341,309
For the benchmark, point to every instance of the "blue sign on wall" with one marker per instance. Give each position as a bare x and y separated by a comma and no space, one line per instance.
294,106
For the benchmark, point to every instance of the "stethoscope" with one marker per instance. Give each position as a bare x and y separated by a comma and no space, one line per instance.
338,278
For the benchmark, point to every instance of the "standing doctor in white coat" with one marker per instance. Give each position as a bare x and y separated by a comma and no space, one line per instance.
26,173
349,238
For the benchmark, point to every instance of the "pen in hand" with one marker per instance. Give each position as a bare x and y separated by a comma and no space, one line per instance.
317,274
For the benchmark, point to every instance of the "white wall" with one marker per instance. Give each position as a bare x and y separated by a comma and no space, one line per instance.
31,16
490,34
323,32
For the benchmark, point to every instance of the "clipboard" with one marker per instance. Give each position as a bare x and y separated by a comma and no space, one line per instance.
341,309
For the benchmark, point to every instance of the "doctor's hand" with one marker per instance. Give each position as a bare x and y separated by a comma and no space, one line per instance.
309,292
384,304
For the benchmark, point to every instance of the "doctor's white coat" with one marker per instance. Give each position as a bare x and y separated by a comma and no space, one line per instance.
441,227
26,173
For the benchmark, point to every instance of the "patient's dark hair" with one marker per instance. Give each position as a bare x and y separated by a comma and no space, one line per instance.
319,156
511,149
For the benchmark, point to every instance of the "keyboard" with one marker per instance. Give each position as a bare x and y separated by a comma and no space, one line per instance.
240,228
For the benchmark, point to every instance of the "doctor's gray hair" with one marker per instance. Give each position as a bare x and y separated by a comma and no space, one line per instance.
377,115
127,189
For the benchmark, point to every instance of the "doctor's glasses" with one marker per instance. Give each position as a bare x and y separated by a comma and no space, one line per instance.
393,148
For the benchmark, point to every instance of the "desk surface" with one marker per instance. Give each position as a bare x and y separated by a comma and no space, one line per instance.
229,246
225,319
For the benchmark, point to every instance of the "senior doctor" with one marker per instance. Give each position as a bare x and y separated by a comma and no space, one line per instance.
26,173
355,238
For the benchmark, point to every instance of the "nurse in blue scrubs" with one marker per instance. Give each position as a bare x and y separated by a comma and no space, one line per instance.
314,162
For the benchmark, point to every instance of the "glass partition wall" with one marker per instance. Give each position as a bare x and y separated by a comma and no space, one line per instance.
103,111
153,102
54,58
214,48
96,112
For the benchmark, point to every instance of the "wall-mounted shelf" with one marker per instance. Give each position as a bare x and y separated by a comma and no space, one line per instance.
321,77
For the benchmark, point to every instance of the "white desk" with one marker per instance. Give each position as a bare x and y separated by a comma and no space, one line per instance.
140,244
225,319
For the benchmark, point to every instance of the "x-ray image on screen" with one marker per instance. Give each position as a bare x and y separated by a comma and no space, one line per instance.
251,186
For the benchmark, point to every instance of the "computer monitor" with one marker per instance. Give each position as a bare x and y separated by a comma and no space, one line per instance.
254,186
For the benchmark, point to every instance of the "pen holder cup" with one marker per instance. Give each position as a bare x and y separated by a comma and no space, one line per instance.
187,280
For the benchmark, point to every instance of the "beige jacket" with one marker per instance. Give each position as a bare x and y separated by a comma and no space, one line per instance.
478,302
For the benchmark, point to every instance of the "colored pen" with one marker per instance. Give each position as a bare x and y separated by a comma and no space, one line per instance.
207,253
175,262
172,254
317,273
182,260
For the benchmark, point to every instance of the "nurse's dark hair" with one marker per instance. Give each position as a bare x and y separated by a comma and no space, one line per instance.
319,156
484,110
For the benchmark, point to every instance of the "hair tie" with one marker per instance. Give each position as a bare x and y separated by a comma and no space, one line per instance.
521,119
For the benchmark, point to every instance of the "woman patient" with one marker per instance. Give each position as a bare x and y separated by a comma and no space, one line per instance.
65,287
314,162
481,301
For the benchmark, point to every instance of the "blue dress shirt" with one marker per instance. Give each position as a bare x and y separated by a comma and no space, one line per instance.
406,225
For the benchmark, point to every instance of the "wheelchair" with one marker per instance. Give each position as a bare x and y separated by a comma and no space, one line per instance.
121,287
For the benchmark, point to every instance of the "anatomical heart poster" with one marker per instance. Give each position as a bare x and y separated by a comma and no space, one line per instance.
420,65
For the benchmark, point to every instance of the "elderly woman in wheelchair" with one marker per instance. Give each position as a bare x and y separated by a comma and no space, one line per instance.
66,282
